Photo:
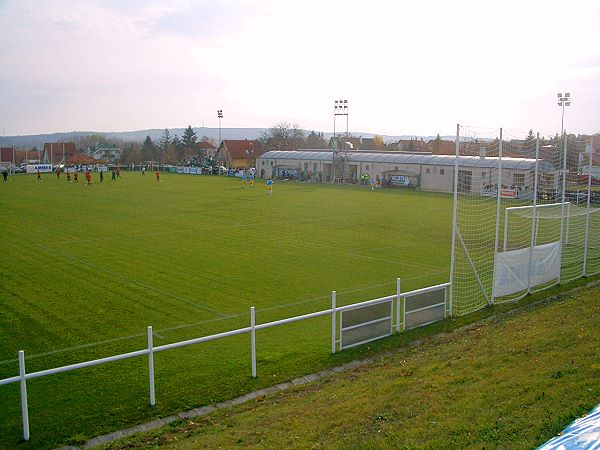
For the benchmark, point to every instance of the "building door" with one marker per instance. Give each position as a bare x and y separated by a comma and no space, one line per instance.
352,172
465,179
327,172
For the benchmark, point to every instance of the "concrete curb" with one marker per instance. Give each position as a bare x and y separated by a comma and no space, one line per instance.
204,410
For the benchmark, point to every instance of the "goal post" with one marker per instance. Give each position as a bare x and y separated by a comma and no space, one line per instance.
519,222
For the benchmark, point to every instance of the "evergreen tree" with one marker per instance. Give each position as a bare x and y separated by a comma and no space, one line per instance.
178,146
437,143
165,141
529,144
189,138
148,149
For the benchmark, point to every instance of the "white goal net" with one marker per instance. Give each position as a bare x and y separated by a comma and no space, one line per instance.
524,219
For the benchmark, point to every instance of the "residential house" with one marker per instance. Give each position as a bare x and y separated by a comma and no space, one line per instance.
442,147
207,149
584,163
105,152
8,156
58,152
410,145
238,154
357,143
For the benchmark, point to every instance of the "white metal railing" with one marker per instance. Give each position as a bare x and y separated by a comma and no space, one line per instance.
151,349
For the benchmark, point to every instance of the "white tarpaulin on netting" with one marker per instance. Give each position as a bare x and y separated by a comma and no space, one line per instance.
511,269
583,434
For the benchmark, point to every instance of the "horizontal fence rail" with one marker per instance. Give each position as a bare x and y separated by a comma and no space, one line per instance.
400,318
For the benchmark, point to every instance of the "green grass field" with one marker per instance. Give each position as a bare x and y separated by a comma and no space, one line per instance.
84,270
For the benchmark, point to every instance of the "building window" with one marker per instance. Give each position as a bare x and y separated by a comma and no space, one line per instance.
271,162
427,170
262,163
483,174
367,167
396,168
441,171
519,179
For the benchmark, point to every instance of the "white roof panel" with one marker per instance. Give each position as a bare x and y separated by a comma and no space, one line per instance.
410,158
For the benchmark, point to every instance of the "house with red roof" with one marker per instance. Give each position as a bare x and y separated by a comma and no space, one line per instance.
58,152
207,148
8,155
238,154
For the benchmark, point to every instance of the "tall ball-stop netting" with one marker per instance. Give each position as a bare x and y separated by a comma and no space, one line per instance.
525,216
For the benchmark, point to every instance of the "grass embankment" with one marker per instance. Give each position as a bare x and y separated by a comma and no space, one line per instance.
512,381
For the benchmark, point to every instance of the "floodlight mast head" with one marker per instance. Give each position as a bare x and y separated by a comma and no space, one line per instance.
340,107
563,100
220,116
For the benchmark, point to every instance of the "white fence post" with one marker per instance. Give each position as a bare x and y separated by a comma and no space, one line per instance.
253,339
333,320
398,305
151,366
24,410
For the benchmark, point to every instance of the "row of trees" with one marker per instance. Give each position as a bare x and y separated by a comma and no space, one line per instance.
286,136
170,149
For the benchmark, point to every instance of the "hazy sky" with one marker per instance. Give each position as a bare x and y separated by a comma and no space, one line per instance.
406,67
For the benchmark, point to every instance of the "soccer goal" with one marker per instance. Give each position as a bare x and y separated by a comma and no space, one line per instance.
531,250
522,219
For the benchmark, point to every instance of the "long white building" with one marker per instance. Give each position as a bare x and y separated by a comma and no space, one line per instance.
423,170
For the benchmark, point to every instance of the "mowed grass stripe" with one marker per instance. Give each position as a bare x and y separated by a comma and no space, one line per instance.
147,253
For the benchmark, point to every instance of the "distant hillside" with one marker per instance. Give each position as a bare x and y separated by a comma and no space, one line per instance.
38,140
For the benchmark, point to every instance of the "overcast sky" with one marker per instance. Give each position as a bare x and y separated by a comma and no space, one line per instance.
405,67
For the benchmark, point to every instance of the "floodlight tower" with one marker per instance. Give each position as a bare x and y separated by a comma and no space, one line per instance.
220,116
340,108
562,102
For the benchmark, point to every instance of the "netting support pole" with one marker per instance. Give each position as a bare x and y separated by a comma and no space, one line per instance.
498,198
534,215
587,211
453,253
562,208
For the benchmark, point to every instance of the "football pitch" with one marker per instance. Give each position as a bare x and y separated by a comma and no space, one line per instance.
85,269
